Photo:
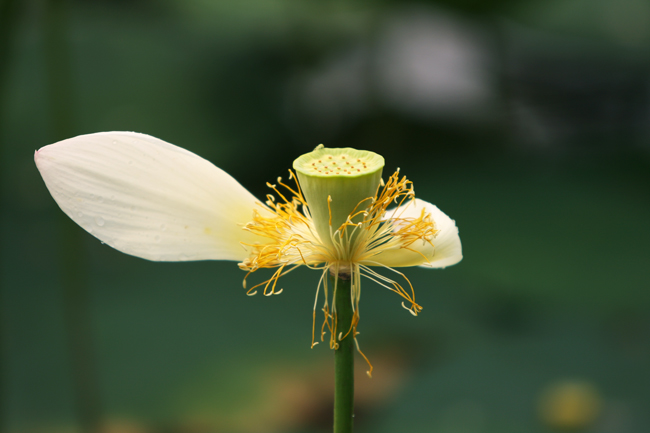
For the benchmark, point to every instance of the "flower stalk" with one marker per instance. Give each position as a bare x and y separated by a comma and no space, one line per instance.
343,356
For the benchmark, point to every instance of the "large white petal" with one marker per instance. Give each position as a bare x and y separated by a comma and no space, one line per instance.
446,249
148,198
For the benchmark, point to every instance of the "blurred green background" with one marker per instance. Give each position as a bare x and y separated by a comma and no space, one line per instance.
527,122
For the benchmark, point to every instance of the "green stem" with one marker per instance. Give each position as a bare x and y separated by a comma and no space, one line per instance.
343,359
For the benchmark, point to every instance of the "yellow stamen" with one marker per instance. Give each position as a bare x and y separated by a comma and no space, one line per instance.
291,240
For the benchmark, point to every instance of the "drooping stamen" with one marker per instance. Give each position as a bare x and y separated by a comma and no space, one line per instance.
291,241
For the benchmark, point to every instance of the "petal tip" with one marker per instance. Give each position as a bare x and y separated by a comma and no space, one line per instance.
37,156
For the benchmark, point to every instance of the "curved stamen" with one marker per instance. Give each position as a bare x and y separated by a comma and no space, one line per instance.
291,240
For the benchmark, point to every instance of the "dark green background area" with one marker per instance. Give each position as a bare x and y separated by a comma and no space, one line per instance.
548,181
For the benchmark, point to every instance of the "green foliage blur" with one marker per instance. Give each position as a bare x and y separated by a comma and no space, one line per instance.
526,122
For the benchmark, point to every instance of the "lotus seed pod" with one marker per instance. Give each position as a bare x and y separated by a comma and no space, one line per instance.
337,184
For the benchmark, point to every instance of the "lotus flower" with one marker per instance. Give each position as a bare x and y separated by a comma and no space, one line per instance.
151,199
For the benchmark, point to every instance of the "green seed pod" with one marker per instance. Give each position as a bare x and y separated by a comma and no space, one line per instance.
346,176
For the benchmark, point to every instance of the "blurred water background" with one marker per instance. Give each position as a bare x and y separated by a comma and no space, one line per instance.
527,122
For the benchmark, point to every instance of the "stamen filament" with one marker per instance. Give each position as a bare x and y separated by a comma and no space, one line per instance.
291,240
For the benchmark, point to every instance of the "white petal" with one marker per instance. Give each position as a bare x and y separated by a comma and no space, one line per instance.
148,198
446,250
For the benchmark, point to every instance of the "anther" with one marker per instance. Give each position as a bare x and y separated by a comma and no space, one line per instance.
410,310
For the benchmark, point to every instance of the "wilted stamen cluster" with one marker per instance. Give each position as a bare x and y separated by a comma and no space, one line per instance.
377,234
293,241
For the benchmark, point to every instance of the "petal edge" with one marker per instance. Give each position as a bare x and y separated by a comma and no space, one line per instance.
446,250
